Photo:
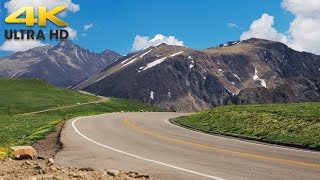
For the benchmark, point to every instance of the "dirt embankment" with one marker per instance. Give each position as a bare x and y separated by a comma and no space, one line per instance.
44,168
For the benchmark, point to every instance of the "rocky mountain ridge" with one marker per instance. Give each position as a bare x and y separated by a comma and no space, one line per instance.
184,79
65,64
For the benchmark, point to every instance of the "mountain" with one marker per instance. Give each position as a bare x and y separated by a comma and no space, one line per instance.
184,79
65,64
294,90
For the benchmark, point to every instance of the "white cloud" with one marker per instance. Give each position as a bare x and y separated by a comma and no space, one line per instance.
14,5
143,42
233,25
304,31
20,45
263,28
305,28
87,27
72,33
305,8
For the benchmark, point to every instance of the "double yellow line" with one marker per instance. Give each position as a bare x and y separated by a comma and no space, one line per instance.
128,123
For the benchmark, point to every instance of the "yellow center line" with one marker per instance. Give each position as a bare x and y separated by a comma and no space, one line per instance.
128,123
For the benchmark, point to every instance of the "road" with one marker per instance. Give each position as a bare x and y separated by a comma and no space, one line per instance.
103,99
147,143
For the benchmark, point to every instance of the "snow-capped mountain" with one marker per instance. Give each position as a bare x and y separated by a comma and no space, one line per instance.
65,64
183,79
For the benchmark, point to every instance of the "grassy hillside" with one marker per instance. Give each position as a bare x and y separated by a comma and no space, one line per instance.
28,95
286,123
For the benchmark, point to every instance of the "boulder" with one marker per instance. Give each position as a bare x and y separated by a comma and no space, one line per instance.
50,162
113,172
24,152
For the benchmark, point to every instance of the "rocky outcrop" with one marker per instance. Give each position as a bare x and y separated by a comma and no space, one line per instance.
295,90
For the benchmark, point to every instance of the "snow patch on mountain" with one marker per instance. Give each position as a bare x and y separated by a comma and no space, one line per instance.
145,53
257,78
156,62
173,55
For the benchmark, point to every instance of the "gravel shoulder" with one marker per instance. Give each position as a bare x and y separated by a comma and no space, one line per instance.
48,147
44,167
45,170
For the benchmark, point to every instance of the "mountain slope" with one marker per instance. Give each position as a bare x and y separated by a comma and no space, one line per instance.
286,124
65,64
19,96
28,95
184,79
294,90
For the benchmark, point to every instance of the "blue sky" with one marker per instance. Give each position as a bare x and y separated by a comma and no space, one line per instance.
198,23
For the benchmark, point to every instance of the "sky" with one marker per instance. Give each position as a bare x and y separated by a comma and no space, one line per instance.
126,26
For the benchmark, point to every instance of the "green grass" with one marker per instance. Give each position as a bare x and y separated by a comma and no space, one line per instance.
27,95
285,123
19,129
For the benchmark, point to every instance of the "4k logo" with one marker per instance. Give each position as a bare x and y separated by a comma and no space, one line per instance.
30,19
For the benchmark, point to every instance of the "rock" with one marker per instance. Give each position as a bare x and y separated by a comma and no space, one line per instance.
86,169
50,162
132,174
113,172
24,152
53,168
40,157
37,167
142,176
27,163
75,175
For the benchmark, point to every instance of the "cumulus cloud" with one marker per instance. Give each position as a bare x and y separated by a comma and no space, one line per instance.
72,33
87,27
14,5
263,28
305,8
143,42
21,45
305,28
304,31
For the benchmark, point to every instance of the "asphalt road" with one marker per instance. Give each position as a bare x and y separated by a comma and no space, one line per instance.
147,143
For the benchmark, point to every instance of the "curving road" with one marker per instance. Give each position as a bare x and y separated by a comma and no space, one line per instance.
147,143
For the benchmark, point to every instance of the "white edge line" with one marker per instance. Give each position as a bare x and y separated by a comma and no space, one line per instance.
142,158
242,141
